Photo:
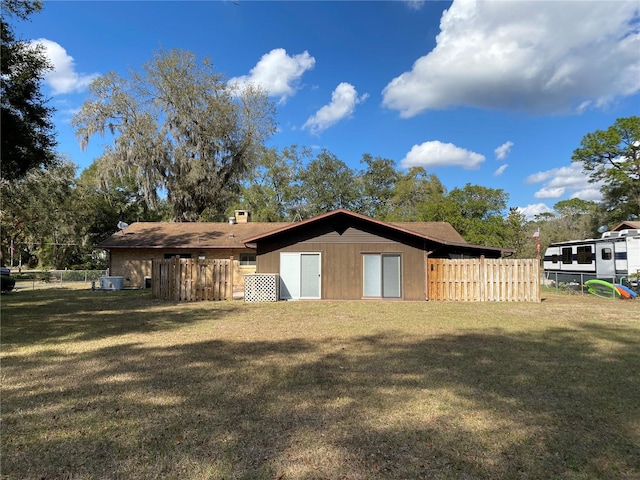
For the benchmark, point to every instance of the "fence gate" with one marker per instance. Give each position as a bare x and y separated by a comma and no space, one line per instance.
188,280
484,280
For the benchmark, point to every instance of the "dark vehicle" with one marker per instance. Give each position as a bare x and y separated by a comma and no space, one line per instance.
7,282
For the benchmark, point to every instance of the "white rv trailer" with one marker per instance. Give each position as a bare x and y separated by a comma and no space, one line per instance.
614,256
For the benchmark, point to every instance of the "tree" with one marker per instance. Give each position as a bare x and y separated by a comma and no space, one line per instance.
480,219
417,196
575,218
101,206
515,235
39,213
272,191
327,184
28,135
613,157
377,184
178,127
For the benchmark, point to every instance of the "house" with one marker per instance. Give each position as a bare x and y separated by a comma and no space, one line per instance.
337,255
132,250
342,255
626,226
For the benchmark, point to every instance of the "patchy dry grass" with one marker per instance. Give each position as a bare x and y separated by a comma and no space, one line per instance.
117,385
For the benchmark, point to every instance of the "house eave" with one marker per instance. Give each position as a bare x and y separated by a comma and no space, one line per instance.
165,247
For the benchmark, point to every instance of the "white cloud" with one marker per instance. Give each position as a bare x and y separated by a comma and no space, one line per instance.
530,211
588,194
548,192
503,150
438,154
343,103
500,170
539,177
63,78
278,73
560,181
415,4
534,56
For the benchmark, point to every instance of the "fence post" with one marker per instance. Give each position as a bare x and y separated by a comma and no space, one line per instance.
175,273
231,273
483,278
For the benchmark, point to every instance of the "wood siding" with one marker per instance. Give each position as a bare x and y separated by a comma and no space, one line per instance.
342,274
484,280
350,235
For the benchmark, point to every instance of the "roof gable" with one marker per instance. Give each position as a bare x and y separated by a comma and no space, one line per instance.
341,219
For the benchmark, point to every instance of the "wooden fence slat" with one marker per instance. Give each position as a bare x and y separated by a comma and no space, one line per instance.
189,280
484,280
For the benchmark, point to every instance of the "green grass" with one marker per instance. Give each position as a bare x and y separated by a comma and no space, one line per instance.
112,385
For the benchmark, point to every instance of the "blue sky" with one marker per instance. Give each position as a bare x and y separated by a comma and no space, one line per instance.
494,93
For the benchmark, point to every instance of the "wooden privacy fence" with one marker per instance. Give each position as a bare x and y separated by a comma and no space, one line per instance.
484,280
188,280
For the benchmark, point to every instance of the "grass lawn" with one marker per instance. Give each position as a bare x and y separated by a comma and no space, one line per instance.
117,385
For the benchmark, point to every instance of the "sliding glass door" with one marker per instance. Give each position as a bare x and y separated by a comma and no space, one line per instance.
382,275
299,275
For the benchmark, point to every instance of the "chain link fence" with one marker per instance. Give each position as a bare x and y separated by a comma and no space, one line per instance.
35,279
574,284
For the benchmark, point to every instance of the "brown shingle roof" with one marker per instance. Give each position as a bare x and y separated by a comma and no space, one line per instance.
440,230
187,235
628,224
224,235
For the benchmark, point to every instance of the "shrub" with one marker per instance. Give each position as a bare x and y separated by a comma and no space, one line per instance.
24,276
73,275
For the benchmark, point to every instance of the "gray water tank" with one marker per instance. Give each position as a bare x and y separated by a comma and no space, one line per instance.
111,283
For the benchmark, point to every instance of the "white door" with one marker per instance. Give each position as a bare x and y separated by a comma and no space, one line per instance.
299,275
605,260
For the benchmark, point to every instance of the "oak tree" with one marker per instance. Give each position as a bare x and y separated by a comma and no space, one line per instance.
327,183
272,191
377,185
179,129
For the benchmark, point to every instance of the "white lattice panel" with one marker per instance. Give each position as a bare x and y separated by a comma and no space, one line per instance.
261,287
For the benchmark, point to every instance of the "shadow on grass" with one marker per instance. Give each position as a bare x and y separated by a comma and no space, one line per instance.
556,404
55,316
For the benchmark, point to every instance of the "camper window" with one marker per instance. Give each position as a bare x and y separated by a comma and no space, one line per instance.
567,257
607,254
585,255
